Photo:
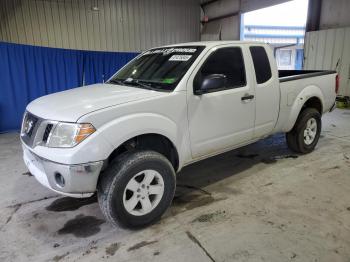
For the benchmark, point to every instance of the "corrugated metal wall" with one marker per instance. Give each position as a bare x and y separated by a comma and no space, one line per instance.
330,50
117,25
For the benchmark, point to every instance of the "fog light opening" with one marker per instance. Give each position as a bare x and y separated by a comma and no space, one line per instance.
59,180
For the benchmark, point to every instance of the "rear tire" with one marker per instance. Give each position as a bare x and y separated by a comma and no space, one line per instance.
305,134
136,189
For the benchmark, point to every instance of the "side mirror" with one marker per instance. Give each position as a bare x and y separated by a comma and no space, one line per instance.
211,83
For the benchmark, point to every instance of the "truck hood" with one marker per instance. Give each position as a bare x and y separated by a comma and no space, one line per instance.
70,105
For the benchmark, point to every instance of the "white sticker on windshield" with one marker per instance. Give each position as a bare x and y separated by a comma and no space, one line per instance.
180,58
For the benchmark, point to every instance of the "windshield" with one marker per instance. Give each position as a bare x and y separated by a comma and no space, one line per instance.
158,69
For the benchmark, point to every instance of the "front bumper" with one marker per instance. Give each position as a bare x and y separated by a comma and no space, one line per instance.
79,180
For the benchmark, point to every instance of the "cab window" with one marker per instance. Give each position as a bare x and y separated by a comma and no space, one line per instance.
261,64
227,61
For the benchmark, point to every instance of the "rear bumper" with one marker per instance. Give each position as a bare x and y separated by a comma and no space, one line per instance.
70,180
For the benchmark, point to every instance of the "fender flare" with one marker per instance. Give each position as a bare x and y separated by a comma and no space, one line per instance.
307,93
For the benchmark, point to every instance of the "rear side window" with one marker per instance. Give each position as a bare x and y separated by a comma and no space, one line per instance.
261,64
227,61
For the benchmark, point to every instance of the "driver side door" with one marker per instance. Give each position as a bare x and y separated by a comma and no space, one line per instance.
221,118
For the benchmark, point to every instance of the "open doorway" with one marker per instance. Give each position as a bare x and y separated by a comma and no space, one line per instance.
283,27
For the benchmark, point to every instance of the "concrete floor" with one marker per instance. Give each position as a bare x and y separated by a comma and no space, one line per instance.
259,203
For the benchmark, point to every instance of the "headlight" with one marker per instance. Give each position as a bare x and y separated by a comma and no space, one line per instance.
69,134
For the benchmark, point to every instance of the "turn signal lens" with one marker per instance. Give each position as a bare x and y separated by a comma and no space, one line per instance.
83,132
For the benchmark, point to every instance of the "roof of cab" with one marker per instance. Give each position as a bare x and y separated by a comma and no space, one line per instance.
214,43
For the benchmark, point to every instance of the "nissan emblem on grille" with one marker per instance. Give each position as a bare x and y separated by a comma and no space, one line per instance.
28,126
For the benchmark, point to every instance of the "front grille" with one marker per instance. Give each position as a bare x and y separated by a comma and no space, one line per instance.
47,132
35,130
30,128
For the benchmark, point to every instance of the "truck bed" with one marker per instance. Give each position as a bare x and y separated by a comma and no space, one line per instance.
289,75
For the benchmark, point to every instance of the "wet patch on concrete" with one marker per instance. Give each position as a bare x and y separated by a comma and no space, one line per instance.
281,227
240,255
269,160
193,200
331,168
70,204
250,156
181,187
92,246
31,201
268,184
209,217
59,257
274,159
112,248
82,226
345,146
141,244
229,190
15,209
189,197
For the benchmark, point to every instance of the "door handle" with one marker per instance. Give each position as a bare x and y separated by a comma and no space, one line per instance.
247,97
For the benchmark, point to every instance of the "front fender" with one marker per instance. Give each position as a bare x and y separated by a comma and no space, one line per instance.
126,127
118,131
297,103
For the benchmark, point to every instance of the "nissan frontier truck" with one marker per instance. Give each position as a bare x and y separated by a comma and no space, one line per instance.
167,108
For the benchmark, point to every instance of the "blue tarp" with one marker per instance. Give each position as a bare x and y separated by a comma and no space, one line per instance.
28,72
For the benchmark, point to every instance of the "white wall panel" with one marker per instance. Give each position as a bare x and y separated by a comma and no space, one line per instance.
330,50
118,25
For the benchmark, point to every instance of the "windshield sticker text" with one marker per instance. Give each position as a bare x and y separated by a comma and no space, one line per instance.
167,51
180,58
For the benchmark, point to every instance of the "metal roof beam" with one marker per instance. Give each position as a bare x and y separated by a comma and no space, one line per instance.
313,15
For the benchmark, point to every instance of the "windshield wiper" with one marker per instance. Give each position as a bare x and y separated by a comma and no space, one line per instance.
145,85
116,81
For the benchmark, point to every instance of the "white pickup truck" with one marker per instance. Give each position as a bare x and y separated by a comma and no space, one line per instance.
165,109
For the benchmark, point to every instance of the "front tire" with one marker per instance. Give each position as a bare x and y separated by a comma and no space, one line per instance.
305,134
136,189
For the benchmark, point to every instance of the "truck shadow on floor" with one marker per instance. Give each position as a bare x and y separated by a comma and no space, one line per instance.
193,179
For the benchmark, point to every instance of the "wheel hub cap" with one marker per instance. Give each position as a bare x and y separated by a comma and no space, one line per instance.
310,131
143,192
